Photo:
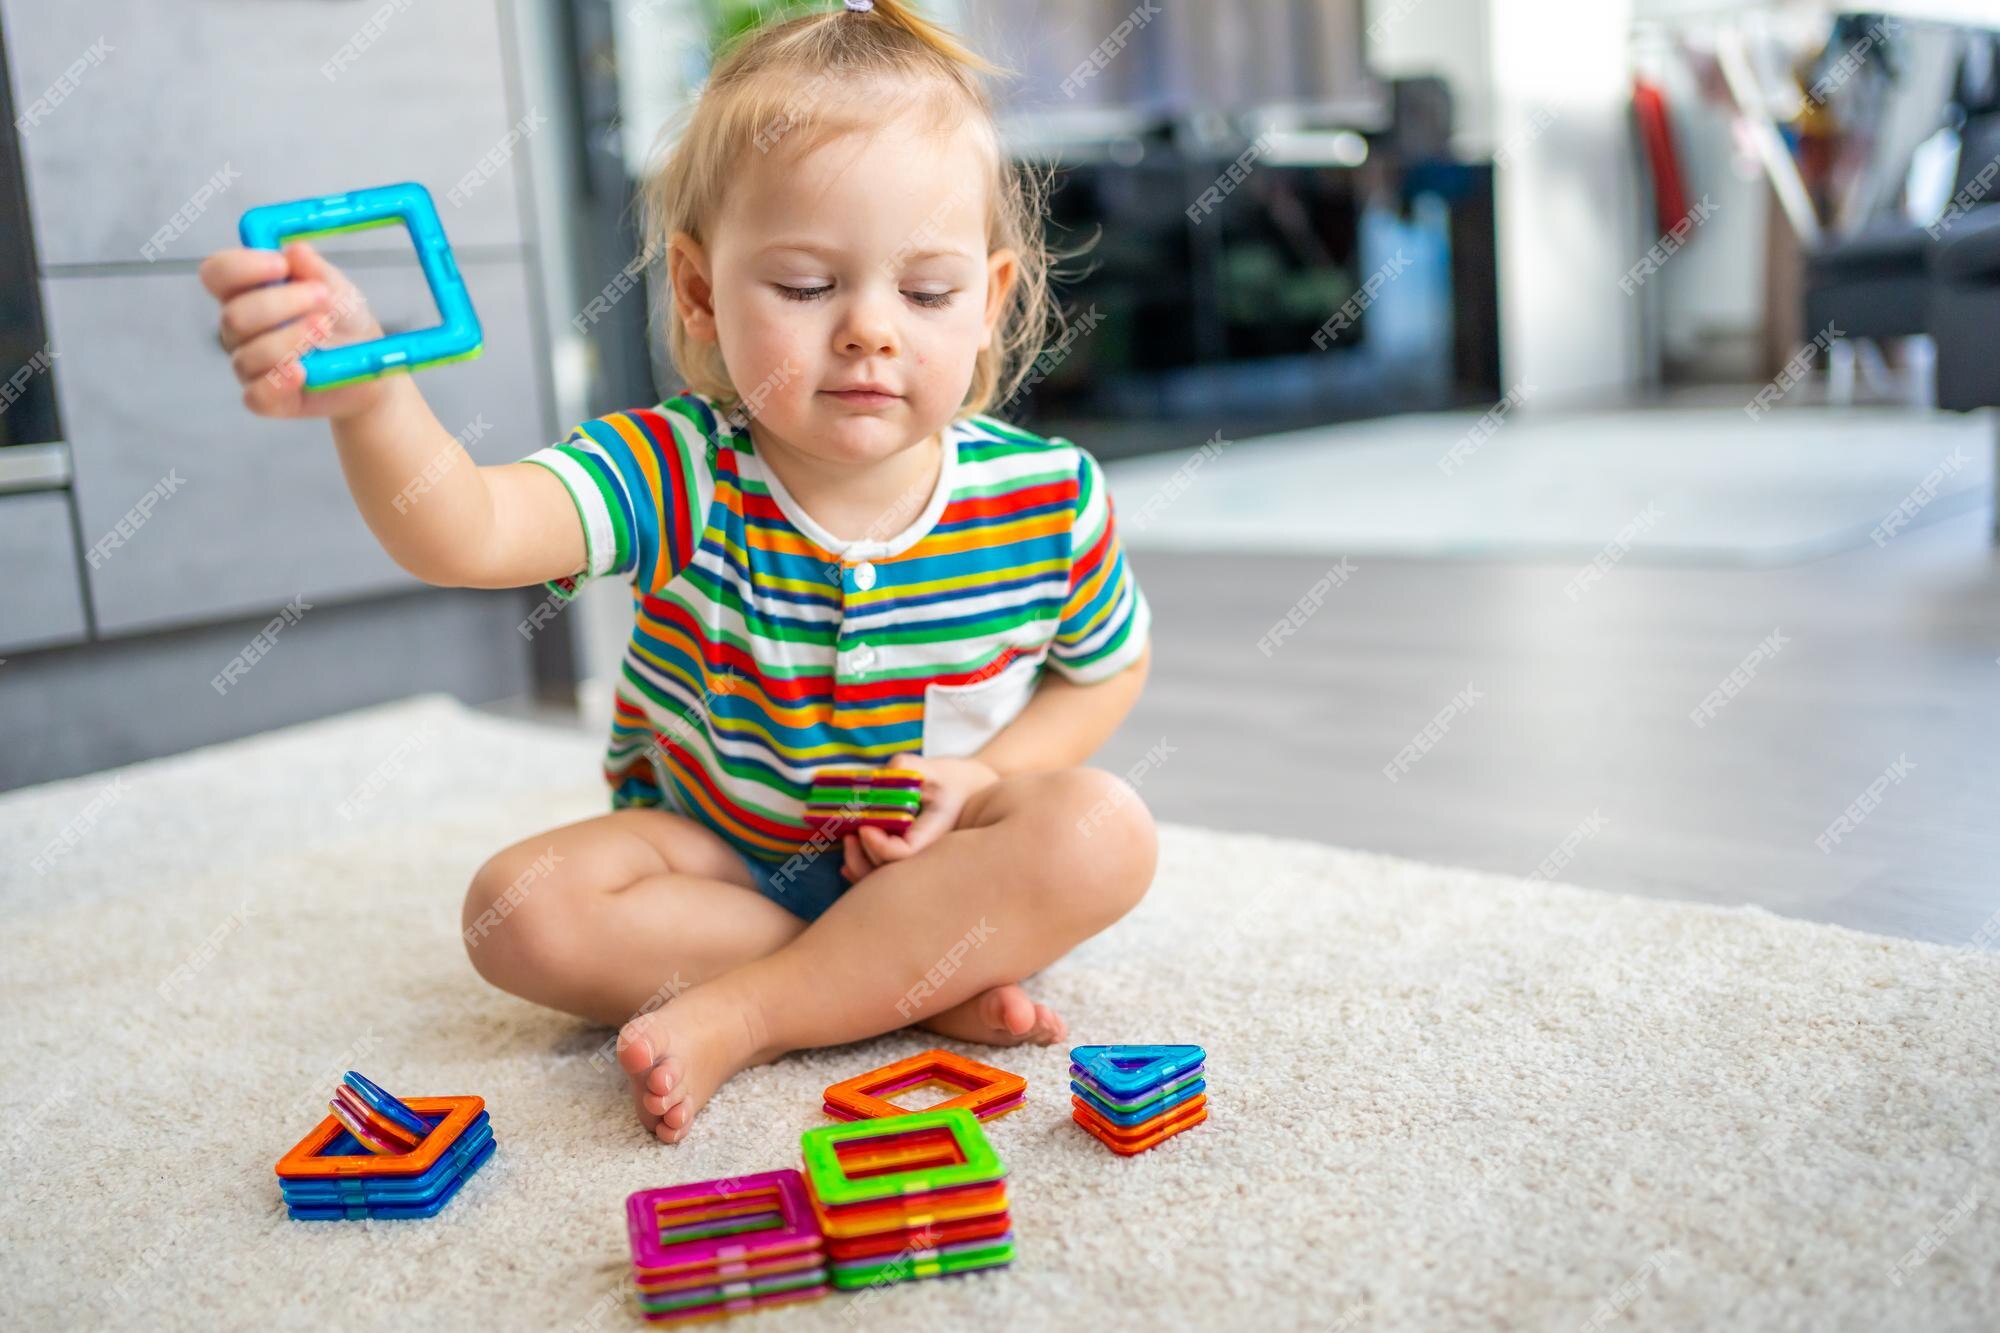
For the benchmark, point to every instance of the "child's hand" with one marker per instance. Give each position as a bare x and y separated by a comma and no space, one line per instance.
948,785
276,307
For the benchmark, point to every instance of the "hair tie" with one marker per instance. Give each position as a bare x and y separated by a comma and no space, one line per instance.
860,6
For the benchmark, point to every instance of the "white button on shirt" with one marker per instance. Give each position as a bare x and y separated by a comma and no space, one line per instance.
864,576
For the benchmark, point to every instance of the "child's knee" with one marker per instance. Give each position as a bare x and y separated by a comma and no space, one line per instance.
1102,843
509,934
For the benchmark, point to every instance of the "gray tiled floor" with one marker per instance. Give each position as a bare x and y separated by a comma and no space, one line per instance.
1584,711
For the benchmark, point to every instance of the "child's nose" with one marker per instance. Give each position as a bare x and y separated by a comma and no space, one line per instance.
868,329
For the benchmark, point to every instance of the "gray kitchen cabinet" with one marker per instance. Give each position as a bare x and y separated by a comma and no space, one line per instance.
41,597
127,109
250,513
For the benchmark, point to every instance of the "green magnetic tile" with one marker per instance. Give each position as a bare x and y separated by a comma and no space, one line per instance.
892,1270
832,1187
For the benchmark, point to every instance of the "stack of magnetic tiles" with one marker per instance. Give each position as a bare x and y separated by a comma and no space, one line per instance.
1132,1098
378,1156
908,1196
846,800
887,1198
724,1247
880,1201
904,1196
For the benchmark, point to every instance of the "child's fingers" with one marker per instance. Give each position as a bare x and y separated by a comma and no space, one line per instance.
885,847
346,303
280,393
309,265
254,314
855,862
938,817
228,273
278,349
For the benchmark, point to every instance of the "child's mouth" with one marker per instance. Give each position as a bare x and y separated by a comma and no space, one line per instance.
863,398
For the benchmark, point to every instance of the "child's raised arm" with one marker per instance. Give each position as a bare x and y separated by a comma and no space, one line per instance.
438,514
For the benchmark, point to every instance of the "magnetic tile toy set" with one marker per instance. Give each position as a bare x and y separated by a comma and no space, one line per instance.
885,1196
379,1156
720,1247
1131,1098
846,800
889,1196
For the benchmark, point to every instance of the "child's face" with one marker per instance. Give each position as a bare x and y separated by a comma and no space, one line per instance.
864,261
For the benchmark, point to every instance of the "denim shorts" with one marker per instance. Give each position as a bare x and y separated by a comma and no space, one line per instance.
804,884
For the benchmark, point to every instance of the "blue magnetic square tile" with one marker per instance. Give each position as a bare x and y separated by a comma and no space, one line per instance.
1127,1072
415,1207
367,1189
457,337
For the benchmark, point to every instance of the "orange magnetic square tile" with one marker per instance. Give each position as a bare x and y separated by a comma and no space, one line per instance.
915,1212
303,1162
932,1236
988,1092
906,1152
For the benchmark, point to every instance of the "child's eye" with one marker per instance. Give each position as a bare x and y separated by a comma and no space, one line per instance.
928,300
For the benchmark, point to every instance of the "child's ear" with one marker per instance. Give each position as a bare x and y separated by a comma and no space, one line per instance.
1003,270
694,293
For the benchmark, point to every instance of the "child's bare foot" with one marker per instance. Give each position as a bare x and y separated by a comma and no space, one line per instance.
678,1055
1003,1016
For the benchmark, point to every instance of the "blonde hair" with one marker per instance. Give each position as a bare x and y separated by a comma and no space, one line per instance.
777,84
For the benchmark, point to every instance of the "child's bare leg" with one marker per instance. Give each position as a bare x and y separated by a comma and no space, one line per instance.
596,918
1038,864
616,915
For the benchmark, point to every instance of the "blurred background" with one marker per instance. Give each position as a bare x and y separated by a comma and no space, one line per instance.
1556,436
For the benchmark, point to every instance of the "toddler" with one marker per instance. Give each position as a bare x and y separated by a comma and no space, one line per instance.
835,557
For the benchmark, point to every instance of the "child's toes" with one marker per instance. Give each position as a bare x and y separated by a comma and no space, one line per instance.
635,1049
663,1077
1009,1009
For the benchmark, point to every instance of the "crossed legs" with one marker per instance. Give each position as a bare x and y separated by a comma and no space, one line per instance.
612,917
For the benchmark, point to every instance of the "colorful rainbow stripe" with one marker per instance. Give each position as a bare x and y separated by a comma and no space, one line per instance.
765,649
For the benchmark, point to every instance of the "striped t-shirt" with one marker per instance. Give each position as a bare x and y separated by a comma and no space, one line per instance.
765,648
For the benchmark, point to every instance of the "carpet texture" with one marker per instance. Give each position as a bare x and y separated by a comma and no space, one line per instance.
1440,1099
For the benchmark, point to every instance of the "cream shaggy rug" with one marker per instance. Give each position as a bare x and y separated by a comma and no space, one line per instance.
1440,1099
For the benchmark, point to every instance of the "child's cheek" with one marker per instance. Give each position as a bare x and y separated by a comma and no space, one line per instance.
777,359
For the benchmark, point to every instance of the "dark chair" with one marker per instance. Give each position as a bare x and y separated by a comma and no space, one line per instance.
1964,317
1964,307
1871,284
1876,282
